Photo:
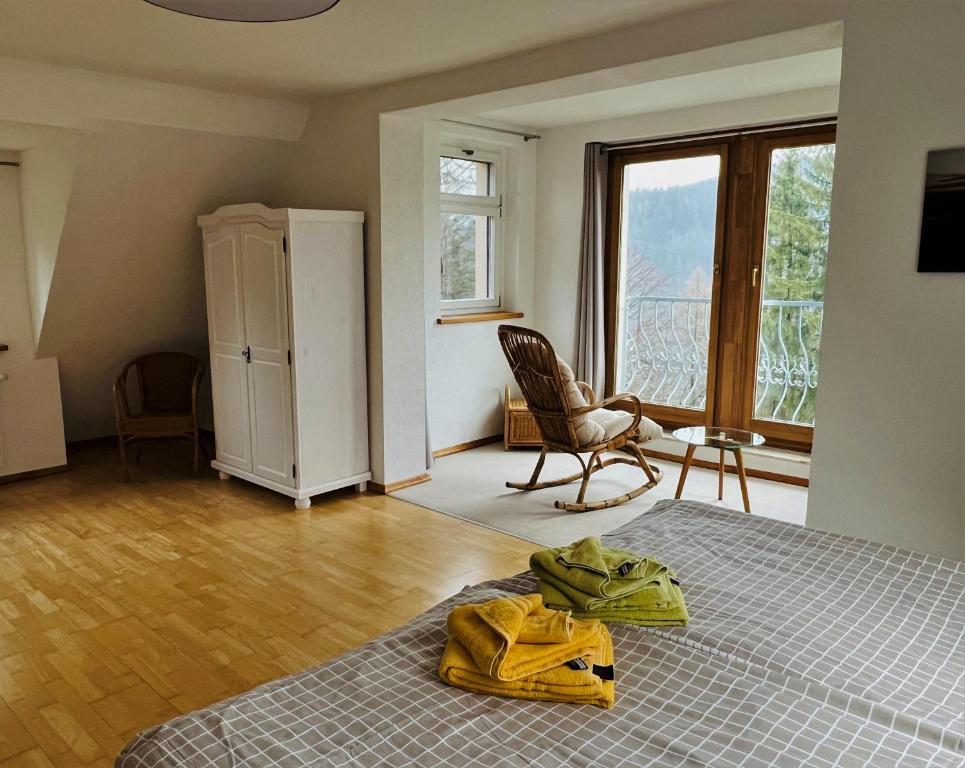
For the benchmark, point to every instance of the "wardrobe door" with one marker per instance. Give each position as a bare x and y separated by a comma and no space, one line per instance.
226,336
269,374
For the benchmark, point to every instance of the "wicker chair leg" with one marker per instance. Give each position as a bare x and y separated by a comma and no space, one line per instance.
539,466
654,476
588,469
197,454
635,449
122,447
532,485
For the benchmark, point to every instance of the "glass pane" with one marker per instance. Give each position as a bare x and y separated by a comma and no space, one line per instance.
466,256
668,232
792,298
459,176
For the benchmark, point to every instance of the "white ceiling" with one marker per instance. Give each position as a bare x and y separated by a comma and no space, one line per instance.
16,137
358,43
790,73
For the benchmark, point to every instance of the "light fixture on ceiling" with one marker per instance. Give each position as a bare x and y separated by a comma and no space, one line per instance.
248,10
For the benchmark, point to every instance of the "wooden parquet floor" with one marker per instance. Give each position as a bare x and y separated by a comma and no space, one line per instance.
124,605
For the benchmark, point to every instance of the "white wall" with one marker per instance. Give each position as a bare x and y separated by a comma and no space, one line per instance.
129,276
402,300
466,370
336,166
889,459
886,465
46,178
31,425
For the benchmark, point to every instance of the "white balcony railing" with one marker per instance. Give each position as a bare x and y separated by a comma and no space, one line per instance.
663,357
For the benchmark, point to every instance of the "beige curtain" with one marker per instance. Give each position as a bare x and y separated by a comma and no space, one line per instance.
591,352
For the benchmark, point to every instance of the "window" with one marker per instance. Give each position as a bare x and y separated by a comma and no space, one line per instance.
470,211
715,280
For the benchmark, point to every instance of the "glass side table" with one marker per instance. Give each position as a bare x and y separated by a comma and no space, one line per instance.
724,439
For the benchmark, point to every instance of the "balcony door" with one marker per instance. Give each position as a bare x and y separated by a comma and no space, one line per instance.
715,279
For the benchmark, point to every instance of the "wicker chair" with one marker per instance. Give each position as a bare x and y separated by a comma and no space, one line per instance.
554,400
167,388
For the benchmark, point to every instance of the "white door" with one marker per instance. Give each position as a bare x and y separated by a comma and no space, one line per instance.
269,374
226,336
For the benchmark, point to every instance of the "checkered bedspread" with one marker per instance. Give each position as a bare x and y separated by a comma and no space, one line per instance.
804,649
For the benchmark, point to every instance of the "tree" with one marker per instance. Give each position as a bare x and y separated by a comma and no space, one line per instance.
798,220
795,259
458,242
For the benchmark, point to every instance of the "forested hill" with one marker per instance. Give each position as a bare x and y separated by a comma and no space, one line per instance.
672,229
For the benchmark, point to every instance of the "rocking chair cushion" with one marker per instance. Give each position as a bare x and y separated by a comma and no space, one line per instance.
648,430
601,425
612,423
588,431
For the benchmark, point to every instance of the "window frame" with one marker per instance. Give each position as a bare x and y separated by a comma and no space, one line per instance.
781,434
732,358
490,206
669,416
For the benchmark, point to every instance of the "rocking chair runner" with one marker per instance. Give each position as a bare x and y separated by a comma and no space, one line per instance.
572,422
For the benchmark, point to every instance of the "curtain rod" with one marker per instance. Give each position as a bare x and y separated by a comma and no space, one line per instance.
11,163
526,136
719,134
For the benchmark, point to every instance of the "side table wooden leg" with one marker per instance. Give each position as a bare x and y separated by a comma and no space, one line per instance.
683,472
720,477
739,458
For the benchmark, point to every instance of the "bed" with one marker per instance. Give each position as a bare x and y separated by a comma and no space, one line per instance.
805,648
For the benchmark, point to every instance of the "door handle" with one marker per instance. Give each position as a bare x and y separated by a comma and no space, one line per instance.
754,273
246,353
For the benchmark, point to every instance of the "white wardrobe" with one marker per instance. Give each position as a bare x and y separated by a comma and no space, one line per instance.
286,328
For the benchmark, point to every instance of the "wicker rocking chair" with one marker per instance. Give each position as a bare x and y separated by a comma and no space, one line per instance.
571,421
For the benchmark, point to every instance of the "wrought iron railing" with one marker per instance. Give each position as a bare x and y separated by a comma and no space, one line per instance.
663,357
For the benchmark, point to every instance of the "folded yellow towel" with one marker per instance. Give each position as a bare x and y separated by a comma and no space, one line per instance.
512,637
587,679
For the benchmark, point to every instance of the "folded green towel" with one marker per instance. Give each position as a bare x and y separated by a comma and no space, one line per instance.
652,595
622,611
612,585
595,570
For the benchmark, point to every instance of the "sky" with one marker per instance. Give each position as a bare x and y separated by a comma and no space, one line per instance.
660,174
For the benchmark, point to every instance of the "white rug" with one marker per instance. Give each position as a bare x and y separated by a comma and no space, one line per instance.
472,486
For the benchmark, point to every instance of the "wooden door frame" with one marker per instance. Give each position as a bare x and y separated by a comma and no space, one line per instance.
671,416
738,249
781,434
